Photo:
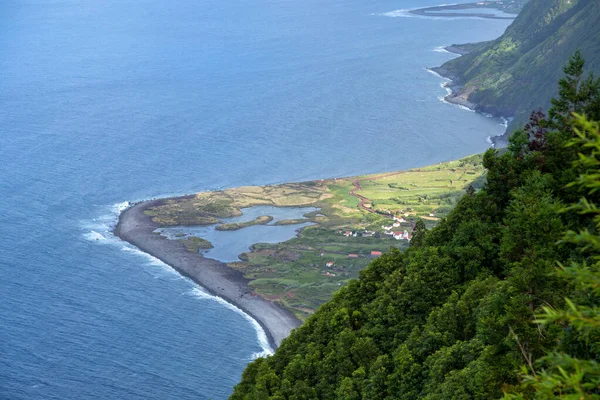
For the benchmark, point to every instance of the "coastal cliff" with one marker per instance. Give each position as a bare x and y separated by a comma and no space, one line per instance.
510,76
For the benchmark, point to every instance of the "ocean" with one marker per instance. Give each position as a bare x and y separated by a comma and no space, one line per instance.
113,101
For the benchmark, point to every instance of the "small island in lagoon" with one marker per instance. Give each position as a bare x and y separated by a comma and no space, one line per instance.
338,225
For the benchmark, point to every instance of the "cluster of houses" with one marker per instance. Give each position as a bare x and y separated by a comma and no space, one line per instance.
387,230
364,233
391,230
398,235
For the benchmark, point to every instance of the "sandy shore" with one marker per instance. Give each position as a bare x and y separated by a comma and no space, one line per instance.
216,277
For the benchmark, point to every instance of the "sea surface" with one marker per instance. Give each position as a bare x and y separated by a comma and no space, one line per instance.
104,102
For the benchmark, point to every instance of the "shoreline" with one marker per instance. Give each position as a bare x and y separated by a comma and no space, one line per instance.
456,97
437,11
215,277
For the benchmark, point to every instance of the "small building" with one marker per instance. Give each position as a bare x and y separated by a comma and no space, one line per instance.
352,255
398,235
328,274
375,253
396,224
329,264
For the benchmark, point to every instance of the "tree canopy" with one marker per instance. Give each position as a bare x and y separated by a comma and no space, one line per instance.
500,299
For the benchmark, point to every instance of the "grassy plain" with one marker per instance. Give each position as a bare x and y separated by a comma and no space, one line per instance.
303,272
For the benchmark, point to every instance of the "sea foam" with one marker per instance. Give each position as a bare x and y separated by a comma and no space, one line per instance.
441,49
260,332
436,74
100,230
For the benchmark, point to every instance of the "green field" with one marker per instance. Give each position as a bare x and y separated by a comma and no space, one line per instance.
295,273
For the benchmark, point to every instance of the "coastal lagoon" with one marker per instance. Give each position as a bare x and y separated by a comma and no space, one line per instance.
228,245
115,101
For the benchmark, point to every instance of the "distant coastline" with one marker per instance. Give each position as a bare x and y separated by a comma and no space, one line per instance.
216,277
438,11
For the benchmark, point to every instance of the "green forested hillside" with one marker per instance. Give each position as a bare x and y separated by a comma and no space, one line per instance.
510,75
476,307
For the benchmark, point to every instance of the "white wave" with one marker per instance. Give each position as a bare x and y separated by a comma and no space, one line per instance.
441,49
446,87
406,13
465,108
101,228
150,258
503,121
120,207
436,74
93,235
260,332
397,13
197,291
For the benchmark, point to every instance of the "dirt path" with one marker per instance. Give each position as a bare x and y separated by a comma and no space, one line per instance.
362,199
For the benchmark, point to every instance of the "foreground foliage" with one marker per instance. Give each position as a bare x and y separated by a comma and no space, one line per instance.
475,308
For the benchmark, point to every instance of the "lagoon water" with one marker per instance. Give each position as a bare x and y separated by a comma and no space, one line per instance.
103,102
228,245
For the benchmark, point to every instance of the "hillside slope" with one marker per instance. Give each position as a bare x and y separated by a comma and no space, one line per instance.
454,316
510,75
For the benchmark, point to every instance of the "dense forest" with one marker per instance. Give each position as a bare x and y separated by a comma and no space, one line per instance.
500,299
509,76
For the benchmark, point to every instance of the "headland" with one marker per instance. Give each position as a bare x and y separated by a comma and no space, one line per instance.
449,11
281,284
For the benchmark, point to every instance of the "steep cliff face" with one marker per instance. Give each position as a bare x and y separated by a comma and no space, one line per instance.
515,73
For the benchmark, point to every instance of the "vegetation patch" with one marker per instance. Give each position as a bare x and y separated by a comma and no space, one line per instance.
354,218
500,299
194,244
234,226
292,221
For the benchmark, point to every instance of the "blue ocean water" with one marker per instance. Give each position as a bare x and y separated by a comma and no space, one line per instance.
103,102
